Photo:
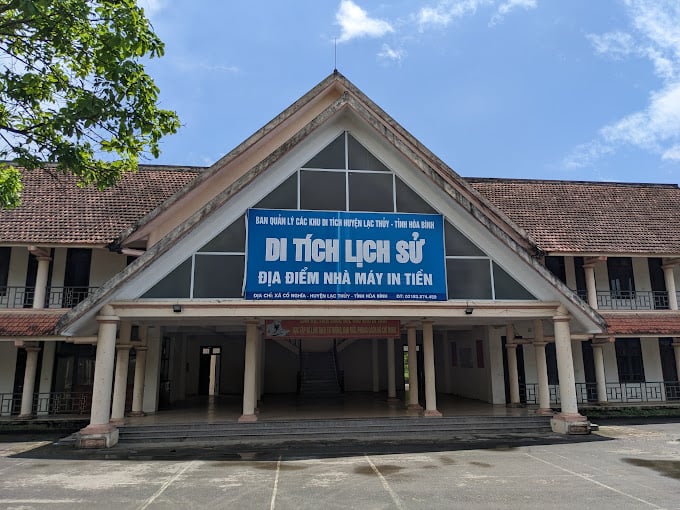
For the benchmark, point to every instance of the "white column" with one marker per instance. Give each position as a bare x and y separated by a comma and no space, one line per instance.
541,369
513,376
29,381
100,433
412,368
590,285
375,367
120,379
600,381
669,277
140,375
250,373
40,291
430,375
391,380
565,367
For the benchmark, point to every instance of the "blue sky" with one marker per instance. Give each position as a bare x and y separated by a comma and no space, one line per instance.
545,89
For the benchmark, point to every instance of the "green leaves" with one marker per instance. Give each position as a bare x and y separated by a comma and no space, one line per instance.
73,92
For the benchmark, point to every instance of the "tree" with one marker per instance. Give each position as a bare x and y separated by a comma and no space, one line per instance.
74,93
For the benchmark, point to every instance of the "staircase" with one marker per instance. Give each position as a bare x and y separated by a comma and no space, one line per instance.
377,430
318,374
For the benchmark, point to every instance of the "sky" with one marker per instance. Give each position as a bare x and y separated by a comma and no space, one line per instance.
538,89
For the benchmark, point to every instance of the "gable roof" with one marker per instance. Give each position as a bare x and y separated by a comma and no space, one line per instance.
54,210
217,185
590,217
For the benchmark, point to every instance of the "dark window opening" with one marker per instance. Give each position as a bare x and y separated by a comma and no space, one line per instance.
629,360
621,282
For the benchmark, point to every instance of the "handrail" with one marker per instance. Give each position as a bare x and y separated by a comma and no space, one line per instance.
56,297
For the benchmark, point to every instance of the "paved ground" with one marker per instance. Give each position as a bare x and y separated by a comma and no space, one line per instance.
626,465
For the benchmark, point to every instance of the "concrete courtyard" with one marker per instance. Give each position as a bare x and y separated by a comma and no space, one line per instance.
624,465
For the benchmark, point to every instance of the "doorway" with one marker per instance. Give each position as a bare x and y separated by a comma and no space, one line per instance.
209,371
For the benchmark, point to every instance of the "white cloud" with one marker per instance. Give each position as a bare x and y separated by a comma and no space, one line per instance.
446,11
655,35
355,22
584,155
185,65
511,5
389,53
613,44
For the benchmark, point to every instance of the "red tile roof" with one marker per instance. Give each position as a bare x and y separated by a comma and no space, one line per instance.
28,323
55,211
643,324
590,217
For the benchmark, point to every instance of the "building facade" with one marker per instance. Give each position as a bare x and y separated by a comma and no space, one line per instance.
332,251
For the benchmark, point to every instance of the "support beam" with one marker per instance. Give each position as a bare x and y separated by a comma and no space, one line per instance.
600,380
40,292
513,375
100,433
120,379
140,374
413,404
669,278
568,421
541,370
29,382
391,379
429,368
250,373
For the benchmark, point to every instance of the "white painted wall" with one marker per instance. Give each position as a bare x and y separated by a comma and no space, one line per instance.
8,361
18,266
651,359
601,276
471,382
104,265
577,355
496,372
570,272
611,369
641,274
58,267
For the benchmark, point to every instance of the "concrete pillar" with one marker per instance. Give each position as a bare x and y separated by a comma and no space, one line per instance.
513,375
600,381
40,292
412,369
250,373
375,367
391,379
669,277
100,433
152,368
140,375
429,368
590,285
29,382
120,379
568,421
541,370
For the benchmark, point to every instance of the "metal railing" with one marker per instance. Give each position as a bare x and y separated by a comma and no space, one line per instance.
629,300
48,404
56,297
628,393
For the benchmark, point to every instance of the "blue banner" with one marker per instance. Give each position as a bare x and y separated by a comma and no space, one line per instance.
324,255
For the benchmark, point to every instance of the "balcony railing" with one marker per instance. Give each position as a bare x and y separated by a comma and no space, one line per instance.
48,404
629,300
625,393
56,297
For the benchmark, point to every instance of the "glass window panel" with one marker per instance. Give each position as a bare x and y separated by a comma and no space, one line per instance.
468,278
370,192
360,159
322,191
231,239
409,201
332,157
218,276
507,287
174,285
629,360
283,197
457,244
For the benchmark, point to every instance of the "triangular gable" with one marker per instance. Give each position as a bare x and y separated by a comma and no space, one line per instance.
434,176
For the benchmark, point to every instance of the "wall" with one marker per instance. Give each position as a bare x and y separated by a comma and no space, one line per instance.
641,274
356,361
471,381
8,360
105,264
280,368
651,359
18,266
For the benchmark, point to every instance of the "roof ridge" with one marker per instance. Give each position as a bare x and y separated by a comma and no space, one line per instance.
562,181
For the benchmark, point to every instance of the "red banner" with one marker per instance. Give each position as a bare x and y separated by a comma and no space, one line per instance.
332,328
